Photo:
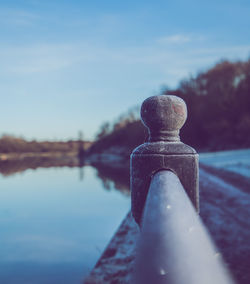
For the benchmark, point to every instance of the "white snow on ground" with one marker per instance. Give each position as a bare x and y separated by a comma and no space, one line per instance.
237,161
225,190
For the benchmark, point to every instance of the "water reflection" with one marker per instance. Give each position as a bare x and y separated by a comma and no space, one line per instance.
56,220
16,165
112,176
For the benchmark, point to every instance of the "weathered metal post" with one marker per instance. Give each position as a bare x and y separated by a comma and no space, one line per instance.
174,246
163,116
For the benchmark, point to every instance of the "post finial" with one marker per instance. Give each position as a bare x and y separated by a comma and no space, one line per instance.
164,116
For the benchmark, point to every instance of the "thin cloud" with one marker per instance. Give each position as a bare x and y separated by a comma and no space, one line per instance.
175,39
11,17
45,58
224,51
36,58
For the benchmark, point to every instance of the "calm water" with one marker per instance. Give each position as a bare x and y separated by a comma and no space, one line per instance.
54,226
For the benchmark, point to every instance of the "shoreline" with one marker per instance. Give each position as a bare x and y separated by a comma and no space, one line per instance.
13,163
17,156
115,265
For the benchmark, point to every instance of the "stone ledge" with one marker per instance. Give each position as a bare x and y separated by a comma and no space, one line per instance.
116,263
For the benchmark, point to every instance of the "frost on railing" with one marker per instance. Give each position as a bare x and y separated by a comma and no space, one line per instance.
174,246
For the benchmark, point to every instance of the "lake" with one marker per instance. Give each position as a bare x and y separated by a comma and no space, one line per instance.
55,223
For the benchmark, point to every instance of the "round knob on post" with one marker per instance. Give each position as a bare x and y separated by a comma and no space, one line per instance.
164,116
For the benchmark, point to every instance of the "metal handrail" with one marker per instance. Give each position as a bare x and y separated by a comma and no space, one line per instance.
174,245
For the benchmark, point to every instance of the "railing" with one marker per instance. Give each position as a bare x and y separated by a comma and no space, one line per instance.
174,246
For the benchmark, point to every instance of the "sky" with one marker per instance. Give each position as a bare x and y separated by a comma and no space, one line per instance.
67,66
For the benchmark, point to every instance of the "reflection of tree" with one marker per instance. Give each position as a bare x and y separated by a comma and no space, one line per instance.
114,175
107,184
81,151
81,172
21,164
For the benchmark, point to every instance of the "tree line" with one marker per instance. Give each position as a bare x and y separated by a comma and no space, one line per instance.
218,102
11,144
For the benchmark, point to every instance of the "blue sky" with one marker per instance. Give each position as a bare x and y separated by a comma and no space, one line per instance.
69,65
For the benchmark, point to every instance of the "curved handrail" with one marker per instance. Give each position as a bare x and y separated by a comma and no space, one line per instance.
174,246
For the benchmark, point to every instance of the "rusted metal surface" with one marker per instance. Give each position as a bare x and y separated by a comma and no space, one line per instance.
174,246
163,116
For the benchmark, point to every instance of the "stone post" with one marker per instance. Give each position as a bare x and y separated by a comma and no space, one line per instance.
163,116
